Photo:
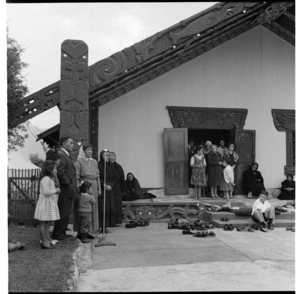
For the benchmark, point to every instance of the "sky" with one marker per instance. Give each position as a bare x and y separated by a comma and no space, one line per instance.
105,27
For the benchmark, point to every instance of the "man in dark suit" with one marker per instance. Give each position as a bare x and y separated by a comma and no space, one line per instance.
67,179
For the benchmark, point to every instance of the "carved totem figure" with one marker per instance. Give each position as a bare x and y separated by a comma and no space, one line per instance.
74,93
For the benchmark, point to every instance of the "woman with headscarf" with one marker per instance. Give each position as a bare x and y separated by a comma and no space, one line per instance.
288,188
110,181
118,189
87,170
132,188
254,182
214,171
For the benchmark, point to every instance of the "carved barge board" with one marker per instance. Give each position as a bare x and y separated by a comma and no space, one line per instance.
74,93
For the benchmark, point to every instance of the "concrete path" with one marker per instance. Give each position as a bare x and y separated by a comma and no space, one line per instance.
157,259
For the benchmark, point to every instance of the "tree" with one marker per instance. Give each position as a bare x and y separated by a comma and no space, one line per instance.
35,159
16,91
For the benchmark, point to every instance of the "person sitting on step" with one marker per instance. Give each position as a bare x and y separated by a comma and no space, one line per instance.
254,182
263,212
85,208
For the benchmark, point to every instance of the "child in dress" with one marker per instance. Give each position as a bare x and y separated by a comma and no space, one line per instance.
85,208
53,155
198,178
227,183
46,209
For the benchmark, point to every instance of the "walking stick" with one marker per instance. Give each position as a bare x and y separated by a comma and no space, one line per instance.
103,241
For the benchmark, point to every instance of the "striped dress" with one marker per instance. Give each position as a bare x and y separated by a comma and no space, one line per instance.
46,208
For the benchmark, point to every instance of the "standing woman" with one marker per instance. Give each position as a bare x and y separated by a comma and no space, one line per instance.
231,158
87,171
214,175
198,179
110,180
118,189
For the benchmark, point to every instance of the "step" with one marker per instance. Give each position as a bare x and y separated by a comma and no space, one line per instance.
210,216
248,222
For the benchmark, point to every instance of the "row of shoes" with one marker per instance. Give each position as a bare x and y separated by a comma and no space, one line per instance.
137,223
202,234
264,228
176,223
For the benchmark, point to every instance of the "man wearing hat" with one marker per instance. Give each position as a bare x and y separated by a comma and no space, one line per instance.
263,212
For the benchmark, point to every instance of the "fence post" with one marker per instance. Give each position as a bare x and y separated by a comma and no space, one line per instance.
9,194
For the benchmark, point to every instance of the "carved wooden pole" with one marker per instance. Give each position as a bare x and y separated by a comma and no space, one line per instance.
74,93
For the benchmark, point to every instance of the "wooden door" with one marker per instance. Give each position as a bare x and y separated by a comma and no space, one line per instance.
245,147
176,161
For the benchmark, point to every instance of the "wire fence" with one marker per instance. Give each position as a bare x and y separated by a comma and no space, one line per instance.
23,194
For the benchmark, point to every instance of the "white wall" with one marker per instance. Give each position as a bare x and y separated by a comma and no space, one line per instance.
255,71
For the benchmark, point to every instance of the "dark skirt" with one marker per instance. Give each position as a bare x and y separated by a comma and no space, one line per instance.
118,203
131,196
287,195
110,220
214,175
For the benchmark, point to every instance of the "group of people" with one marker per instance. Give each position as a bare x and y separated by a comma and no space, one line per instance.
212,166
80,185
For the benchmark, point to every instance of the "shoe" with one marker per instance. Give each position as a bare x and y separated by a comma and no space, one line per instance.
47,247
251,230
225,228
187,232
84,239
264,228
224,219
211,234
61,237
133,225
271,227
89,236
230,227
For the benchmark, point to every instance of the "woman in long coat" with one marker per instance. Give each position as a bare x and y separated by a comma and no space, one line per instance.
110,180
118,187
254,182
214,171
87,170
288,188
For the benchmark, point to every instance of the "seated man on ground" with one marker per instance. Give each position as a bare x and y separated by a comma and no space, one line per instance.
263,212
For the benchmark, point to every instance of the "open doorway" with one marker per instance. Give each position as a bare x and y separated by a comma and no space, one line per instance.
200,136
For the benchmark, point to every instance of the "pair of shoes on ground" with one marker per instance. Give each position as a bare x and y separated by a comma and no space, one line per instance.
138,223
204,234
228,227
202,225
225,219
226,208
266,227
61,237
280,208
292,229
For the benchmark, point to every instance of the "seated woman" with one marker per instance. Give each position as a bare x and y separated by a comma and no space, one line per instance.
132,188
254,182
288,188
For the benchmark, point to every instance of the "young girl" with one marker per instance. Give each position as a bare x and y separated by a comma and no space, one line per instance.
198,178
227,183
54,156
85,209
46,209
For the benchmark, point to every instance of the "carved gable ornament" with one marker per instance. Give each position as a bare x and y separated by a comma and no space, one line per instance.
284,120
207,118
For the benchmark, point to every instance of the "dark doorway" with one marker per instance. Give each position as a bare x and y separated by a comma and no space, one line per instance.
200,136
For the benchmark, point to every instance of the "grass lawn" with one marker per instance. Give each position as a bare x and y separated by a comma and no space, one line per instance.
37,270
